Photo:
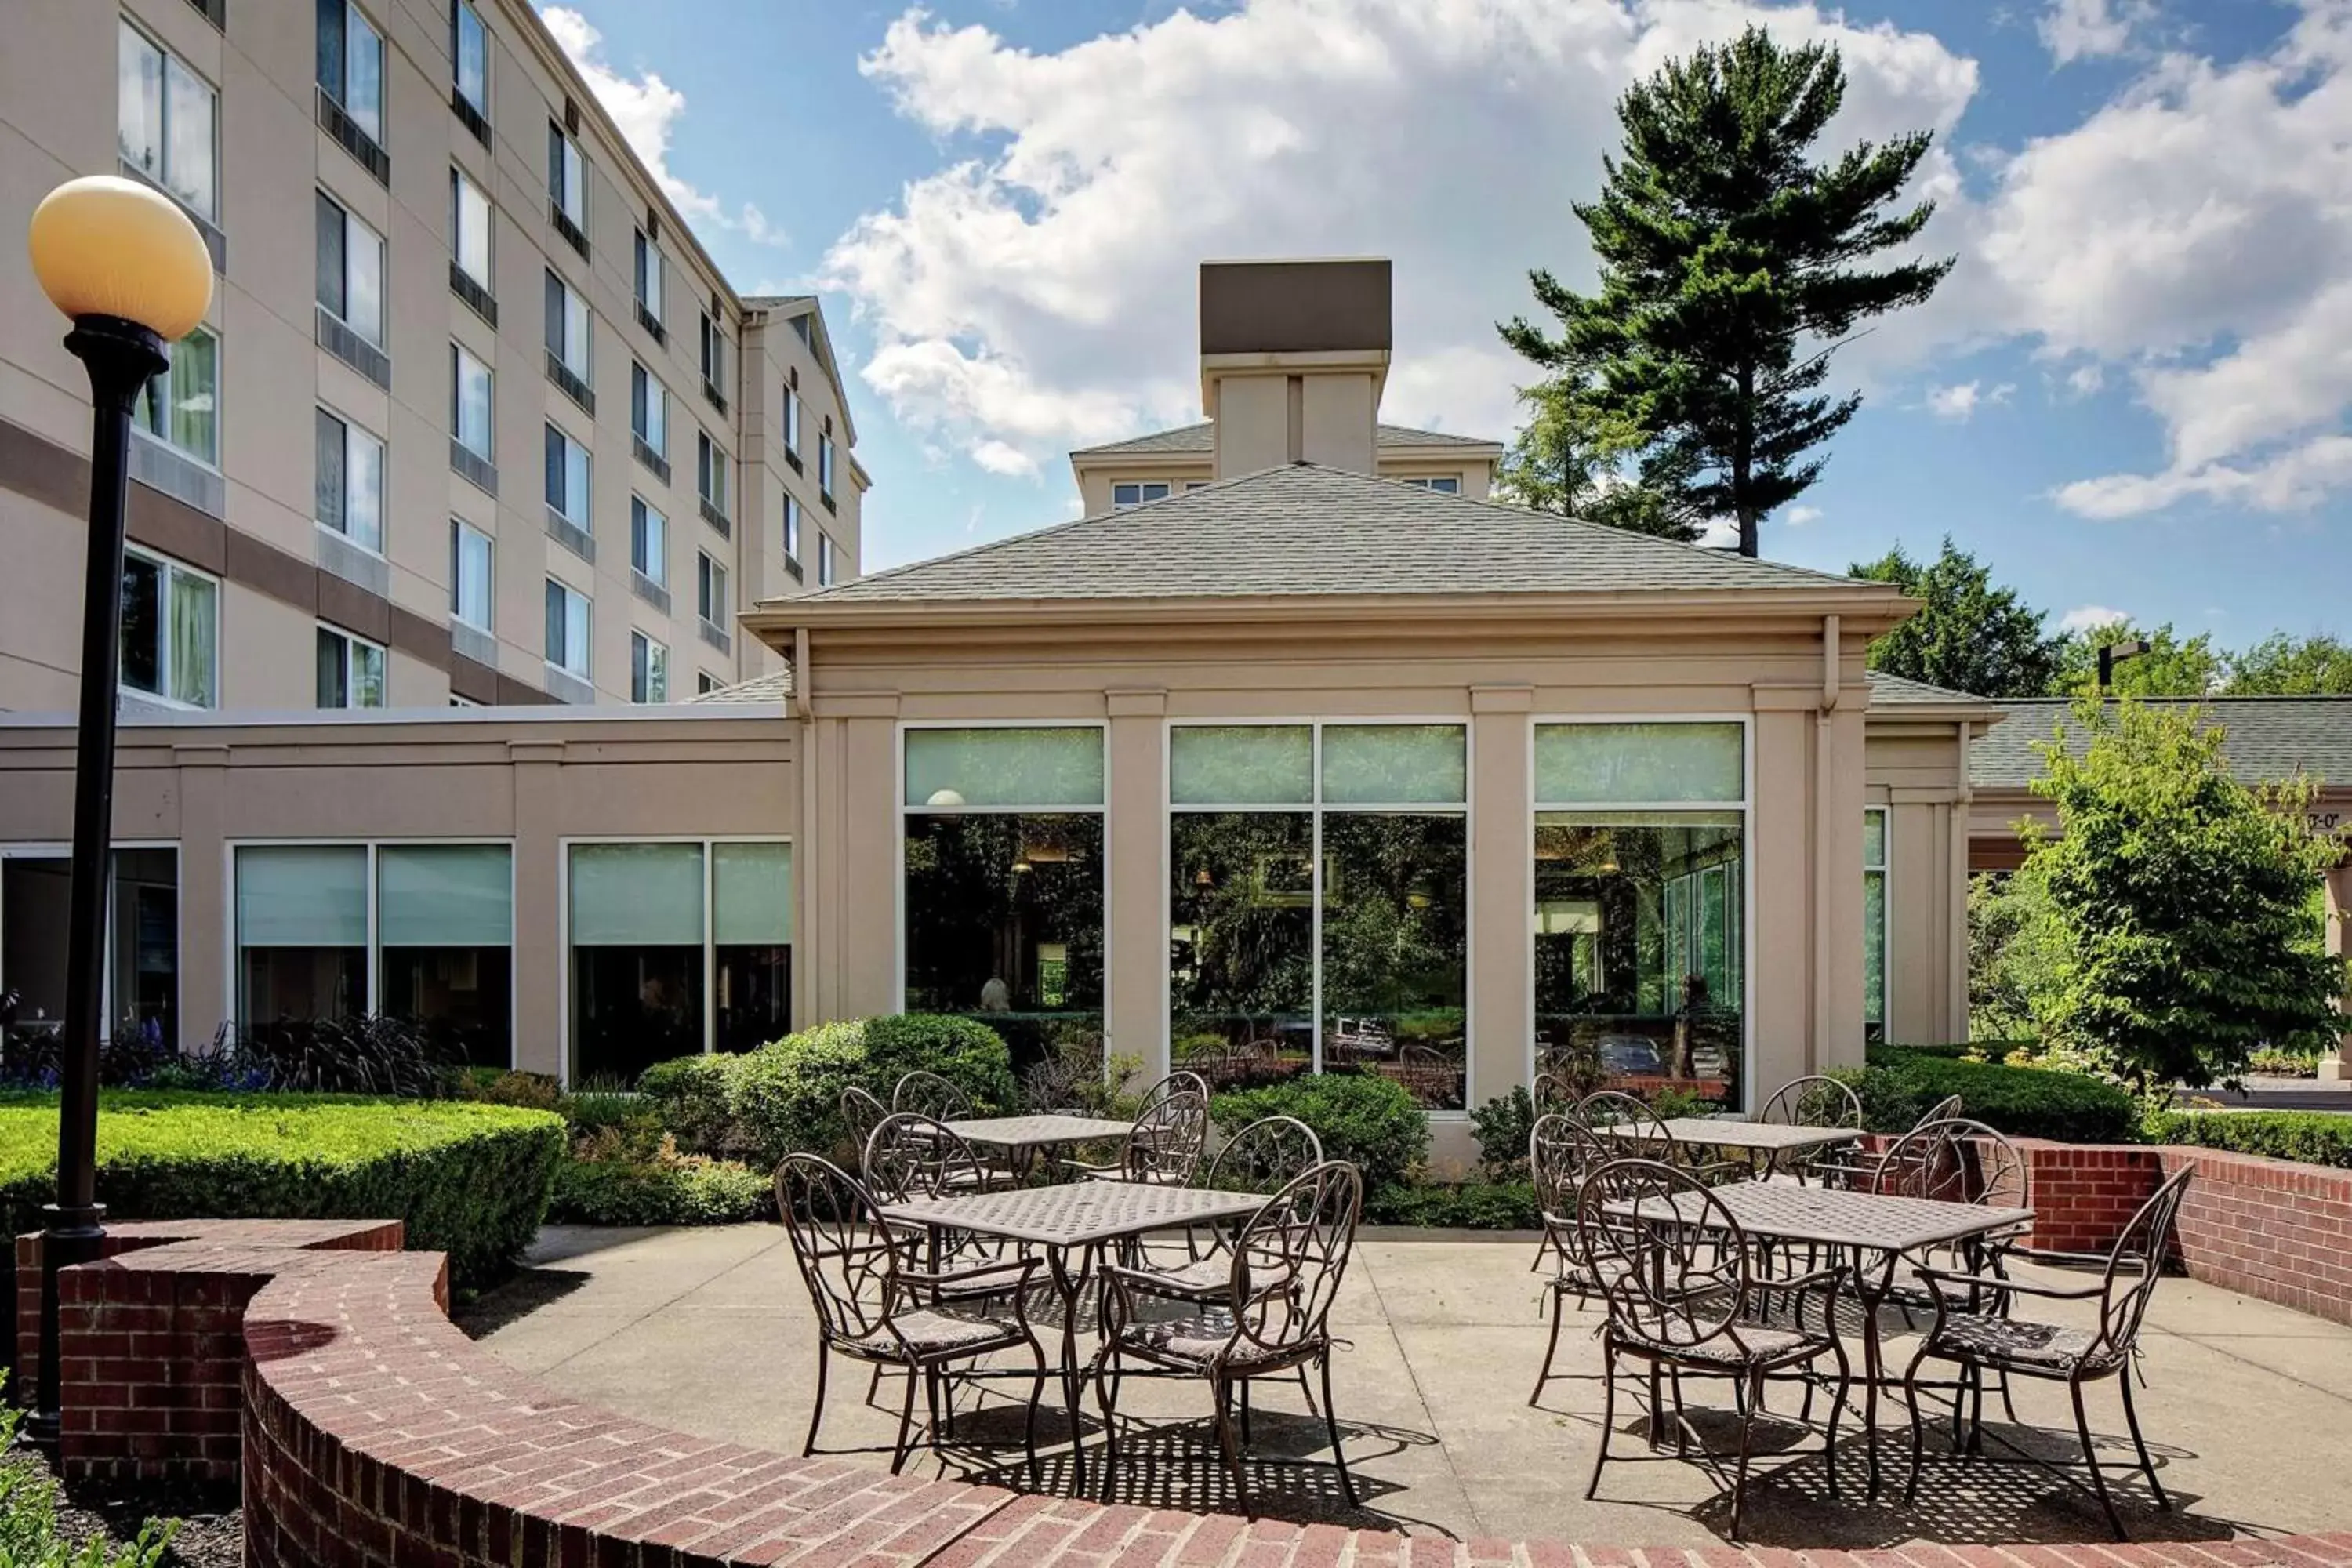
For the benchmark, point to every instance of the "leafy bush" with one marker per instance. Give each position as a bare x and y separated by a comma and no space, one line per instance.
2309,1137
494,1085
1502,1127
1473,1206
28,1519
468,1180
1370,1121
2275,1063
679,1189
1900,1085
693,1096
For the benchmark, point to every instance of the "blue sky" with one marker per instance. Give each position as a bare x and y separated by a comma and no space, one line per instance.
2130,395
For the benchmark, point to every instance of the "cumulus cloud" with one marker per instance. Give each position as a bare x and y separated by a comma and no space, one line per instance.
2087,618
645,108
1798,516
1960,401
1036,290
2073,29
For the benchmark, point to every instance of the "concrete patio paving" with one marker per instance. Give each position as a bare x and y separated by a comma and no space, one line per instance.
2249,1407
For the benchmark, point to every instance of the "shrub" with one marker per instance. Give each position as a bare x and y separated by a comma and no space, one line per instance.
693,1096
1502,1127
492,1086
2309,1137
786,1098
1473,1206
1361,1117
679,1189
468,1180
1900,1085
29,1519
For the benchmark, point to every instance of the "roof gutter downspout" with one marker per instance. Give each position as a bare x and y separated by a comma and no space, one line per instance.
1825,839
806,927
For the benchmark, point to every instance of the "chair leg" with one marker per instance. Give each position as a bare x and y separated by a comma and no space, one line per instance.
1551,1349
1331,1421
1244,1396
1029,1421
1918,1427
1230,1444
915,1380
1307,1390
1837,1409
2091,1458
1608,1416
1105,1396
1752,1383
823,1360
2148,1466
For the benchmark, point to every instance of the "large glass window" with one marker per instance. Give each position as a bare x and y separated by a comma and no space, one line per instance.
301,934
349,271
751,944
167,121
142,937
567,326
1639,900
473,58
470,575
1319,903
470,402
350,481
445,928
351,64
170,630
351,670
469,227
181,407
1874,922
1004,894
648,670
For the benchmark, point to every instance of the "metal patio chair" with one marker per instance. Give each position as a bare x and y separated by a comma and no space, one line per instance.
1857,1168
861,1113
1162,1149
1562,1153
1811,1101
873,1305
1683,1299
1987,1339
1263,1157
1273,1319
929,1094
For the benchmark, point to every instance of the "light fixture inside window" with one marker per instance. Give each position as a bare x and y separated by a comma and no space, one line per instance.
1021,866
947,798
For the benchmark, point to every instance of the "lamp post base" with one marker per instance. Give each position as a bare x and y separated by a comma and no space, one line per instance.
67,1236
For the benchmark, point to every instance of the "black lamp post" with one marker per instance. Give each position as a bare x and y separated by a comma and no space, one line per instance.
130,269
2113,653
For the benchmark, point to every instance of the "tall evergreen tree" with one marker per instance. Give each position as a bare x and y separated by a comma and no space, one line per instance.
1729,272
1969,634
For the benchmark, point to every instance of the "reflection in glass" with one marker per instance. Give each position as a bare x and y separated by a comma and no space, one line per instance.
301,933
1640,763
1240,765
445,922
1241,962
1638,944
751,927
637,956
146,939
950,768
1005,920
1395,947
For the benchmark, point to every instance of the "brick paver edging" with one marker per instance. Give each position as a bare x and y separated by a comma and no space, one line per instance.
376,1434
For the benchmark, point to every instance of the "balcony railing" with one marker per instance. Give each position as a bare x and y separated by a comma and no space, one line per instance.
354,349
570,231
569,381
716,518
477,299
475,468
652,459
353,140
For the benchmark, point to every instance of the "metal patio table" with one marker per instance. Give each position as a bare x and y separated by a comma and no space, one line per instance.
1873,1230
1762,1141
1075,1221
1025,1138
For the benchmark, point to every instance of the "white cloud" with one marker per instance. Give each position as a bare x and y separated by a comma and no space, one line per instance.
645,108
2086,618
1960,401
999,458
2073,29
1037,288
1798,516
2084,380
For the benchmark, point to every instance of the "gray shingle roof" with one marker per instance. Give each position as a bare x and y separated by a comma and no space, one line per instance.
774,687
1198,440
1308,530
1896,691
2270,739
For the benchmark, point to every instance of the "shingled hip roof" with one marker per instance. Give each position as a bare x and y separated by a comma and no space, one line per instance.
2267,740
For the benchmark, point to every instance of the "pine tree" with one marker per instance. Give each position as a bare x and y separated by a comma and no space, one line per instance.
1729,272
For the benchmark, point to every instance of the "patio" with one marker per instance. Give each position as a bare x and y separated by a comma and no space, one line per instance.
710,1332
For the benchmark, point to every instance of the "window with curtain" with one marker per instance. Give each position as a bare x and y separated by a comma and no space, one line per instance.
350,491
445,929
301,936
470,578
648,670
473,58
567,326
170,630
751,944
1003,882
567,479
469,227
1319,903
181,408
648,410
1640,898
349,670
637,944
1874,922
647,276
567,177
470,402
567,629
648,543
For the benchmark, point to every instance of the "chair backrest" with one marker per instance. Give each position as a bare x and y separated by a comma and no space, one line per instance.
1955,1161
1265,1156
1561,1151
1814,1101
929,1094
1944,1109
1289,1259
910,1156
861,1113
846,1255
1671,1260
1638,1123
1165,1144
1175,1083
2136,1264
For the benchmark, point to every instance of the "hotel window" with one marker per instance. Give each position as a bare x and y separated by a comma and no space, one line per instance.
473,58
171,631
1874,923
656,929
470,228
791,421
823,559
1136,494
141,983
1004,880
351,670
181,408
567,326
1324,861
705,683
432,924
710,591
567,478
824,466
351,482
714,355
351,64
350,271
792,528
648,543
710,463
470,402
1449,484
1640,903
471,578
648,410
648,279
567,629
167,122
648,670
567,182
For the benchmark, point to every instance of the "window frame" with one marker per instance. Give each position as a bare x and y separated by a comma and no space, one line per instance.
164,401
460,357
655,436
1165,486
164,175
792,527
353,429
351,643
340,89
459,11
648,266
825,559
169,568
824,466
459,529
642,514
710,583
460,182
566,157
711,464
642,673
1884,870
792,419
340,310
582,519
587,633
572,306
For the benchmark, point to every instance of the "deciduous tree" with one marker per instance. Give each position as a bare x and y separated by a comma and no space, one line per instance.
1968,635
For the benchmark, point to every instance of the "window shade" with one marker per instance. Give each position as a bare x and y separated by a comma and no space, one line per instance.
307,895
1603,763
641,894
444,895
751,893
1368,764
1240,765
1004,767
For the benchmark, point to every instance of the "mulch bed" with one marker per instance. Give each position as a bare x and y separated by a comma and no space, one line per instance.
211,1532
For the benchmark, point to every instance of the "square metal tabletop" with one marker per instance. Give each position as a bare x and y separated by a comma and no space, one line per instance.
1870,1222
1035,1132
1076,1213
1764,1136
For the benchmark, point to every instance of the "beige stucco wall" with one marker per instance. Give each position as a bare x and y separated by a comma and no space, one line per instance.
1913,773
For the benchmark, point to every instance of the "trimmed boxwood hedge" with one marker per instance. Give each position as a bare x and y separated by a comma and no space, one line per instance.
2312,1137
1373,1120
467,1179
688,1190
1900,1084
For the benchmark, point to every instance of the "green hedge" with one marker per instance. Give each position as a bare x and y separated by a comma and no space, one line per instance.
2312,1137
1361,1117
686,1191
1899,1085
468,1179
1473,1206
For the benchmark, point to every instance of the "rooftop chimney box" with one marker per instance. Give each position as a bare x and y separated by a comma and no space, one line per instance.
1294,306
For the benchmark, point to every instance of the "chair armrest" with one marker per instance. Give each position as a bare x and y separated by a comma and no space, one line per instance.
2009,1286
1023,1267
